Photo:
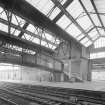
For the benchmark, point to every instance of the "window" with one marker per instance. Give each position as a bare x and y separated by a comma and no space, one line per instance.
99,43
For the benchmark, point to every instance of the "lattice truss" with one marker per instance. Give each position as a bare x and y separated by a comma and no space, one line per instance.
17,26
82,19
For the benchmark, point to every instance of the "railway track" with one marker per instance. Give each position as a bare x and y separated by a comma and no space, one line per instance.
4,101
27,98
53,96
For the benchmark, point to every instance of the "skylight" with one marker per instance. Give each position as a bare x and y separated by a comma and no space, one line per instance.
84,41
79,37
3,27
73,30
31,28
95,19
15,31
17,20
63,22
77,11
88,43
55,12
88,5
75,8
43,6
62,1
84,22
89,30
93,34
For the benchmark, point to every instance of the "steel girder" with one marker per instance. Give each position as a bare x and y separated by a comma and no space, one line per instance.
97,13
6,38
65,5
57,3
24,31
18,60
29,13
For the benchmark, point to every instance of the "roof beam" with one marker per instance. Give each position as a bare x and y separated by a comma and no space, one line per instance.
26,31
9,58
57,3
89,16
94,6
29,13
4,37
24,27
65,5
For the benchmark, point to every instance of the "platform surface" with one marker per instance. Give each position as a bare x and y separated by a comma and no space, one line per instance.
95,86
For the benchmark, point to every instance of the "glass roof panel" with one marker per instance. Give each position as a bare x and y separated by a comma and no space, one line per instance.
26,36
62,1
1,9
3,14
18,20
3,27
30,38
47,36
14,31
43,43
88,43
103,19
36,40
43,6
84,22
84,41
50,38
88,5
63,22
55,12
95,19
31,28
93,34
73,30
100,4
80,36
75,8
99,43
102,32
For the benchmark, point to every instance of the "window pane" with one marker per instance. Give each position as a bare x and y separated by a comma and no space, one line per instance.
55,12
73,30
99,43
15,32
93,34
88,5
88,43
3,27
43,6
31,28
18,20
63,22
75,8
83,41
80,36
84,22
